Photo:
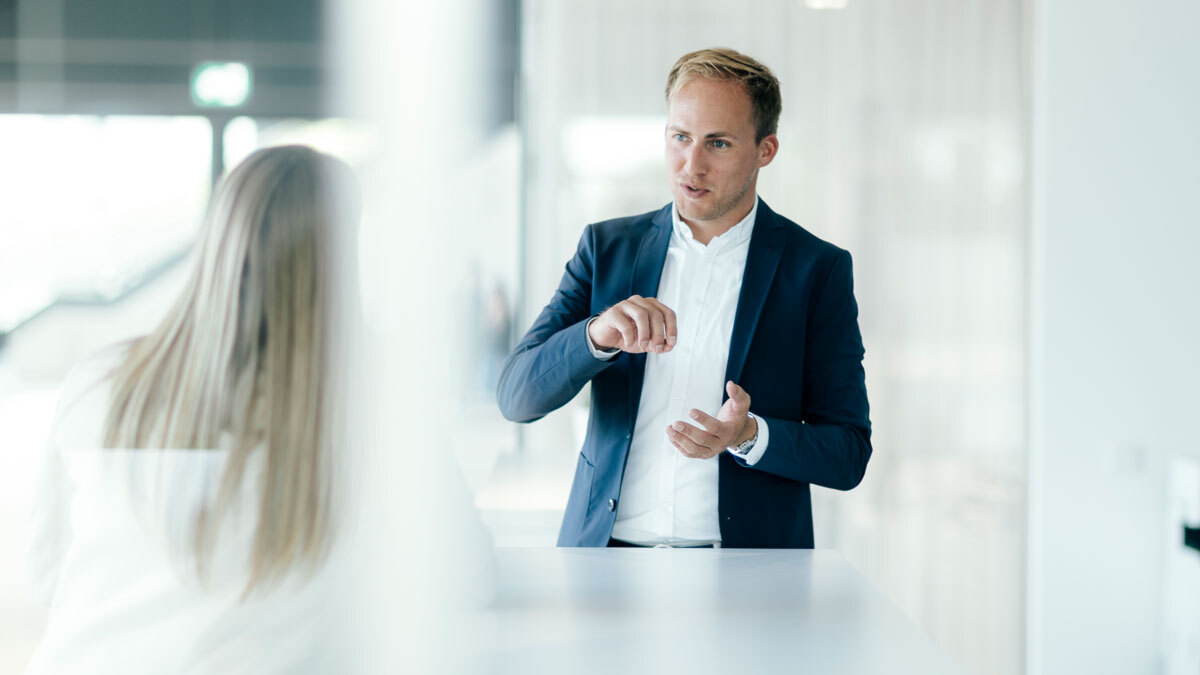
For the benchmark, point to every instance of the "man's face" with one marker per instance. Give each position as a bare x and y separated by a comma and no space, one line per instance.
712,157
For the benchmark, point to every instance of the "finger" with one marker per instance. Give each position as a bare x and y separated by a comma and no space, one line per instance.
671,330
696,434
665,333
741,400
625,327
641,319
685,445
710,423
658,338
654,339
694,451
683,451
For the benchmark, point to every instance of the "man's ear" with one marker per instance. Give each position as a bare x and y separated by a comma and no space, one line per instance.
768,147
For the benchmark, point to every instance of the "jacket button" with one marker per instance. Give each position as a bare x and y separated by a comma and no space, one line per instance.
612,505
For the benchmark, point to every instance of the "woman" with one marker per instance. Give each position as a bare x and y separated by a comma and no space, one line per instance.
186,511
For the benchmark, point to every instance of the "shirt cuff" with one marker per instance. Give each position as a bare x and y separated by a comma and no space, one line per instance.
760,446
601,354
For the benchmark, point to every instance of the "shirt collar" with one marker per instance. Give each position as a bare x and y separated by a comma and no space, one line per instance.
734,236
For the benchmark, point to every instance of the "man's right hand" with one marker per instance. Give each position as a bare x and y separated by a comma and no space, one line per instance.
635,325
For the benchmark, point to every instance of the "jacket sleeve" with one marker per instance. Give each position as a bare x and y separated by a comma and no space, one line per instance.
552,362
831,445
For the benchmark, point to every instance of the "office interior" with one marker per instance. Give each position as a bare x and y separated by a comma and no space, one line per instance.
1014,178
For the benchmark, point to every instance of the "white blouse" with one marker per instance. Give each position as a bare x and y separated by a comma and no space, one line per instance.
111,555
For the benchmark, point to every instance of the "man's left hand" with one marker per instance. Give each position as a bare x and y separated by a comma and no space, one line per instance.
730,427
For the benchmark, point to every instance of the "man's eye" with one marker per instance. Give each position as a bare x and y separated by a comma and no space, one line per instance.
680,138
720,144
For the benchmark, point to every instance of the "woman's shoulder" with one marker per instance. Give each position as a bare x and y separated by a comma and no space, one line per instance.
84,396
97,365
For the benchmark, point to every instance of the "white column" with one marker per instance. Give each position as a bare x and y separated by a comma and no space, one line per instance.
1115,367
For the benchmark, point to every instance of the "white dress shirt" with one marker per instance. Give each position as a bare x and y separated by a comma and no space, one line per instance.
667,497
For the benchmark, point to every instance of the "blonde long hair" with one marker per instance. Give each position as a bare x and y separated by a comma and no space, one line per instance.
246,351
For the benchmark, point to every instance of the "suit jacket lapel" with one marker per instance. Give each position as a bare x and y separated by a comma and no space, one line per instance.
651,255
647,272
766,246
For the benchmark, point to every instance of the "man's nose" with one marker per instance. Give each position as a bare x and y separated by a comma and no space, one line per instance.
695,163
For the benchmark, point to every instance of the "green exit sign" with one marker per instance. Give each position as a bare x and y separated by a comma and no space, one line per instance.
221,84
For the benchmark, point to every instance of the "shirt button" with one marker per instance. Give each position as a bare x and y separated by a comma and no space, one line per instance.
612,505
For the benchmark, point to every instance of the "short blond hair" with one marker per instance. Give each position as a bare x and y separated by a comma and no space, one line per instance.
722,63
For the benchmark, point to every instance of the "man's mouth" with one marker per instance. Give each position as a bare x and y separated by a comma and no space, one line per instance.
693,190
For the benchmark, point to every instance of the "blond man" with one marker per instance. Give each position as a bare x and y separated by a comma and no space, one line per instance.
721,340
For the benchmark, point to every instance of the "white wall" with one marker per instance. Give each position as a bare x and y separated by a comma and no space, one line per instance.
1115,367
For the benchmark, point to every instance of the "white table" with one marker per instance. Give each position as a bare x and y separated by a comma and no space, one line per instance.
577,610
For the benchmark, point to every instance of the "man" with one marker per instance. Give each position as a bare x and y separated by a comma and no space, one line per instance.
721,341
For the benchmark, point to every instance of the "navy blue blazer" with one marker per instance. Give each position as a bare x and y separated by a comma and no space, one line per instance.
796,349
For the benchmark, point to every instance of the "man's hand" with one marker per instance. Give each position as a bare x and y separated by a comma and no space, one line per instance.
635,325
730,427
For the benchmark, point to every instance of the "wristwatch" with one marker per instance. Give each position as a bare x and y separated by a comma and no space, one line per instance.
742,449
